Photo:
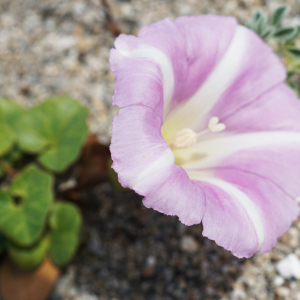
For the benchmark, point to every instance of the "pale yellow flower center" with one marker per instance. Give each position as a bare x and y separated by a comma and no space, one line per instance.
186,138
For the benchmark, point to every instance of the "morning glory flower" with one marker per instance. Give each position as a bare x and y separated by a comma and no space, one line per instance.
208,131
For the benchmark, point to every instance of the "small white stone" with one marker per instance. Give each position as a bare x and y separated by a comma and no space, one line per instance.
67,185
188,244
278,281
289,267
184,138
151,261
284,291
293,285
65,43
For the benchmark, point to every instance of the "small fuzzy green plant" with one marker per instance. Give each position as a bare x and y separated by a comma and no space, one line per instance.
283,40
36,144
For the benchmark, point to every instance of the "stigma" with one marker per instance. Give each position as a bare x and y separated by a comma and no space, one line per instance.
186,137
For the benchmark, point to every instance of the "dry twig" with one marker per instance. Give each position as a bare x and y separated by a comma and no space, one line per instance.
111,25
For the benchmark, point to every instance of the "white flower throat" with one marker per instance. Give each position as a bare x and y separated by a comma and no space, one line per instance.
186,137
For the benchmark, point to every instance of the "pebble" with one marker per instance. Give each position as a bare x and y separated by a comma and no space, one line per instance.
189,244
151,261
278,281
289,267
284,291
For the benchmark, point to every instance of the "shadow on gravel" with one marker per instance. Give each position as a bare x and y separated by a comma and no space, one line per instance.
130,252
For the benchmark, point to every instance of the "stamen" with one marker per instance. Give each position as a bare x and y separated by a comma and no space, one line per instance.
298,199
186,137
215,126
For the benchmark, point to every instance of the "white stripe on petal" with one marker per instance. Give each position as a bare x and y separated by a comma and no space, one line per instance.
250,208
193,111
164,63
206,153
166,160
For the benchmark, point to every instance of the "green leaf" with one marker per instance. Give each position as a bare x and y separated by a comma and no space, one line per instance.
294,35
284,33
262,24
55,130
295,52
278,15
23,208
7,139
13,155
65,224
28,258
10,112
254,21
267,33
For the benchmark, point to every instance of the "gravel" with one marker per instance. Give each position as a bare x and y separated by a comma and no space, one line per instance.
128,251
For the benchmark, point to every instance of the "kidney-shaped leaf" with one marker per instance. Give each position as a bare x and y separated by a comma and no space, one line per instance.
65,223
7,138
23,208
28,258
55,130
10,112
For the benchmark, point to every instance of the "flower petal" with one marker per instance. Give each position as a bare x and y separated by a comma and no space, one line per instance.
209,152
269,177
227,220
277,208
171,192
277,109
139,81
137,147
240,78
186,51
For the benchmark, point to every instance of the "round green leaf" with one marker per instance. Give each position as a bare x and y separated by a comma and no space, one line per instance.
28,258
10,112
23,208
55,130
7,138
65,223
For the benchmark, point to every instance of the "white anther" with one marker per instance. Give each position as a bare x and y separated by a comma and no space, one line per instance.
213,121
298,199
185,138
215,126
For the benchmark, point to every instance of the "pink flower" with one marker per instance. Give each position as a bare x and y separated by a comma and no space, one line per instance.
208,131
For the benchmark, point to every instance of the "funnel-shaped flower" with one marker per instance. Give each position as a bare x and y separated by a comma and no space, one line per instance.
207,130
